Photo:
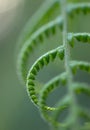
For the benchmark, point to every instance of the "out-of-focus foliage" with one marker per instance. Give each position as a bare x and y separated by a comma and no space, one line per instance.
86,127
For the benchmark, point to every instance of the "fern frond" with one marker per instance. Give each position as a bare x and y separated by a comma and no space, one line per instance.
43,23
29,44
41,62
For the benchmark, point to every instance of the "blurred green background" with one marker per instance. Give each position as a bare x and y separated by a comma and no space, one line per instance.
16,110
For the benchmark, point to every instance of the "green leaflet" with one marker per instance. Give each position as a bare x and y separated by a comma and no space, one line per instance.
39,18
46,21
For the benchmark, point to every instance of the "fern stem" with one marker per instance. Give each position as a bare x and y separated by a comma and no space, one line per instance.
67,62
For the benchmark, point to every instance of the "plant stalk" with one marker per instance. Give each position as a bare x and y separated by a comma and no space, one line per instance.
73,108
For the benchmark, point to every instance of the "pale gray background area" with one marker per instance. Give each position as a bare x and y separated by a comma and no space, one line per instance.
16,110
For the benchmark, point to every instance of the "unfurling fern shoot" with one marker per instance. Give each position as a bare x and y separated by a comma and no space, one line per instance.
32,37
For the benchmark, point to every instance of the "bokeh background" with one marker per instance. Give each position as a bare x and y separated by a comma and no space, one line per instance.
16,110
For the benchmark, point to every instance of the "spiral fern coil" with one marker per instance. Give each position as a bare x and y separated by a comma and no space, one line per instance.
31,37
